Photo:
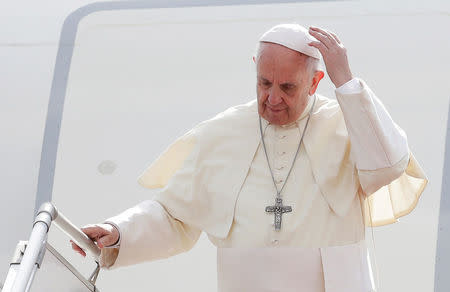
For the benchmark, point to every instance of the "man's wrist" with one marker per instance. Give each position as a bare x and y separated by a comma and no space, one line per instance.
350,87
117,243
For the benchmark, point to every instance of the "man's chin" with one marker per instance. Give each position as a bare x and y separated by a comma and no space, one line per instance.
279,121
275,117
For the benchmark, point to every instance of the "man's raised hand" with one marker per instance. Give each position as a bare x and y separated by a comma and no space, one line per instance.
334,55
104,234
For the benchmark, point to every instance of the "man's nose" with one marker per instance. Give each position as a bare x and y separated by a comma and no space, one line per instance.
274,96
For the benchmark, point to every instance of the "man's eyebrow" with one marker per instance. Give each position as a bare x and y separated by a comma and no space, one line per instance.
288,84
263,79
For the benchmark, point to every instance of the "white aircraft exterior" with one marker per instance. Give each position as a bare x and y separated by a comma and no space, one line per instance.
92,92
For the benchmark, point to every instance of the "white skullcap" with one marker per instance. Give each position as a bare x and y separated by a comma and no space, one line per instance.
293,36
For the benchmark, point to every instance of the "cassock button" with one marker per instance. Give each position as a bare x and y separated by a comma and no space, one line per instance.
282,136
275,241
281,152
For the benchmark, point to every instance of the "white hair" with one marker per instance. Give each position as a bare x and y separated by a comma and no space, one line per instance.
312,64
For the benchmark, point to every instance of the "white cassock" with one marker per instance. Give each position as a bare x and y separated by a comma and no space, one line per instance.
354,169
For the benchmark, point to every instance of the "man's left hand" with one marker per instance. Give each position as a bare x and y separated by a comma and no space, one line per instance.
334,55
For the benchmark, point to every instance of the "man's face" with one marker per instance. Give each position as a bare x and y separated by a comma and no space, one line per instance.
283,83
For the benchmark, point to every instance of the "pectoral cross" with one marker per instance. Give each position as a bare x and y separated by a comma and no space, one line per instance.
278,209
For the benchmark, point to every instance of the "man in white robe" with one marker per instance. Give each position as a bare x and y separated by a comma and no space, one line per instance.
353,169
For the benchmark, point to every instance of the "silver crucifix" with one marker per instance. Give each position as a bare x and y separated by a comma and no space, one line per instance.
278,209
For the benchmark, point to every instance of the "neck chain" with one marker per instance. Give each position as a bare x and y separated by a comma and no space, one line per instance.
278,208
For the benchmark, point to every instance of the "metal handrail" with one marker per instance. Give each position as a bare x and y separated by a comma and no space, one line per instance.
77,235
23,266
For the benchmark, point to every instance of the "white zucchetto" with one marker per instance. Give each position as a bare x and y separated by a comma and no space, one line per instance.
293,36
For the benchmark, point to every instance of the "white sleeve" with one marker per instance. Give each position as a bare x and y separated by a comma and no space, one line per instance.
379,147
350,87
148,232
377,142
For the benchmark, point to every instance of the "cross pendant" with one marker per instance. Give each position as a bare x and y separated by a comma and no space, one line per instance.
278,209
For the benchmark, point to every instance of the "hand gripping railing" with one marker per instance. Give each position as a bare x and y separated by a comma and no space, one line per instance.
27,260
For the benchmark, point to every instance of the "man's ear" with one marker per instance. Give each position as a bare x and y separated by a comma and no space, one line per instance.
318,75
254,59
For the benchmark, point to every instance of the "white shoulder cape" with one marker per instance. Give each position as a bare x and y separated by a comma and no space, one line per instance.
201,173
